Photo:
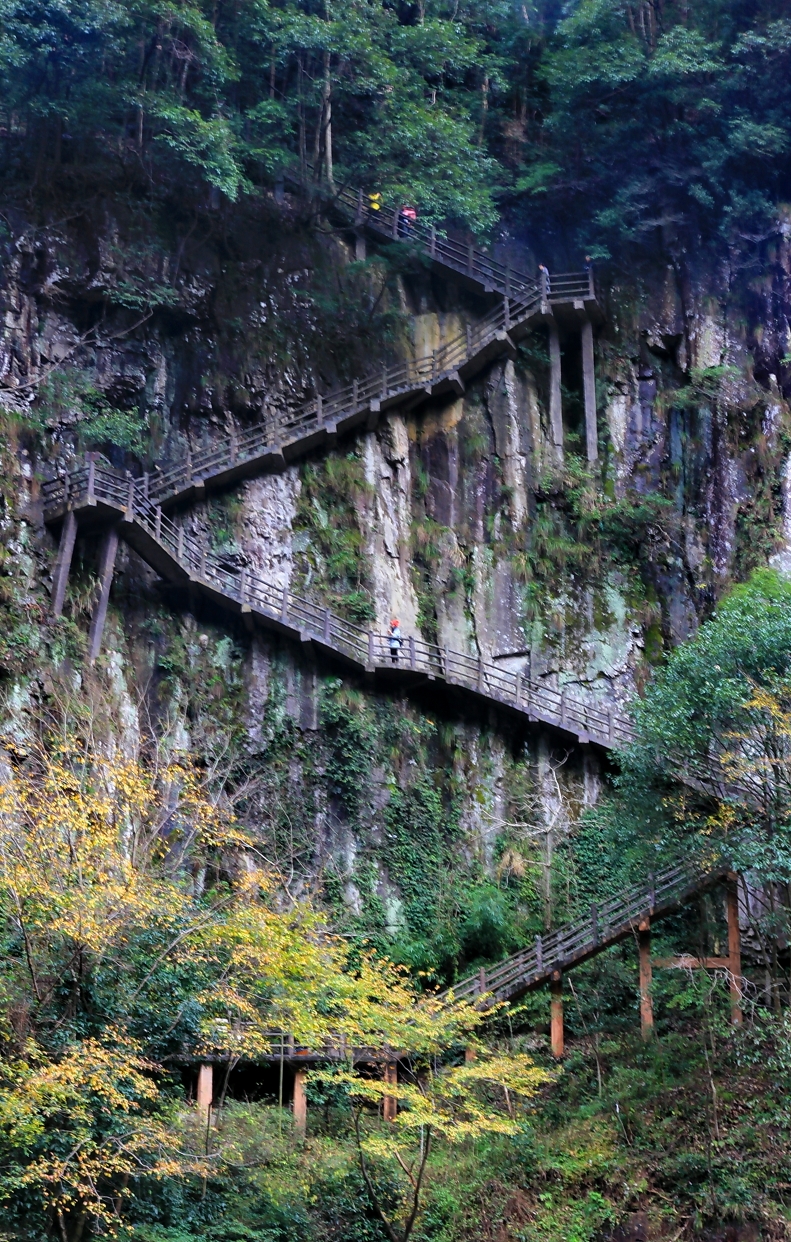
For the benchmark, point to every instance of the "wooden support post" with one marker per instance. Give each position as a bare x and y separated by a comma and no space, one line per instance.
589,391
555,401
60,577
734,950
390,1103
470,1055
556,1014
300,1103
646,1003
106,568
205,1090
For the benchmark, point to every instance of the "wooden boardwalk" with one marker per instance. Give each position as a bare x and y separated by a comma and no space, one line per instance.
99,495
606,924
272,444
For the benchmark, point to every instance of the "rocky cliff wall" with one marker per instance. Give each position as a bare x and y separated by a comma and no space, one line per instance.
409,815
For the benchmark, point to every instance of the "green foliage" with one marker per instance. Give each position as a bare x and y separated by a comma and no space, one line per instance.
330,538
66,397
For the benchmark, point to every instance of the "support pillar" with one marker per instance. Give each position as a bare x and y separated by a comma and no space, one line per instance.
589,391
734,950
205,1090
555,402
60,578
556,1015
470,1055
390,1103
106,568
359,246
300,1103
646,1003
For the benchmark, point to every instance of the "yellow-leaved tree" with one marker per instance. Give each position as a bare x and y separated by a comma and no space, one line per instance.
140,931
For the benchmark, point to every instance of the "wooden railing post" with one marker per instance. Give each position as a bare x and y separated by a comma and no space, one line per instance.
243,585
327,618
371,648
646,1004
518,689
470,257
557,1039
91,478
433,243
390,1102
539,954
300,1103
594,925
284,606
412,654
158,524
355,397
205,1091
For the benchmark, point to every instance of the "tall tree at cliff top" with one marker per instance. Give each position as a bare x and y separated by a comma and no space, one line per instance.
595,121
655,121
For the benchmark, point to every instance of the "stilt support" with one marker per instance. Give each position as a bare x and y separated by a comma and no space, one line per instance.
646,1003
589,391
106,568
734,950
60,578
390,1103
555,402
300,1103
556,1015
205,1090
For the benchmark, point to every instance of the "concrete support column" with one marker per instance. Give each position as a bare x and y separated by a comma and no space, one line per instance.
300,1103
106,568
205,1090
734,950
589,391
646,1003
390,1103
359,246
556,1015
60,578
555,401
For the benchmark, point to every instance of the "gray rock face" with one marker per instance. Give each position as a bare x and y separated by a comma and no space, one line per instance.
454,519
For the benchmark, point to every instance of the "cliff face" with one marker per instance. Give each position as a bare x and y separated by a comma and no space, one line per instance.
450,515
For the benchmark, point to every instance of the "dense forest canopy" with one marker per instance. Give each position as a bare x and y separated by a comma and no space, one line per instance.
612,120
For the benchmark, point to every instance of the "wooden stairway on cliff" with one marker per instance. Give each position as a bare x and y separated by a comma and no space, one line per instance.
629,914
99,496
273,444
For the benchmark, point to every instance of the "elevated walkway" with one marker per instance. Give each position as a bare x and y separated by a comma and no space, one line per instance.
98,496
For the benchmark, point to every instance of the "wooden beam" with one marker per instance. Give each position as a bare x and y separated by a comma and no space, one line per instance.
685,961
734,949
589,391
646,1003
205,1090
390,1103
106,570
60,577
556,1015
555,400
300,1103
